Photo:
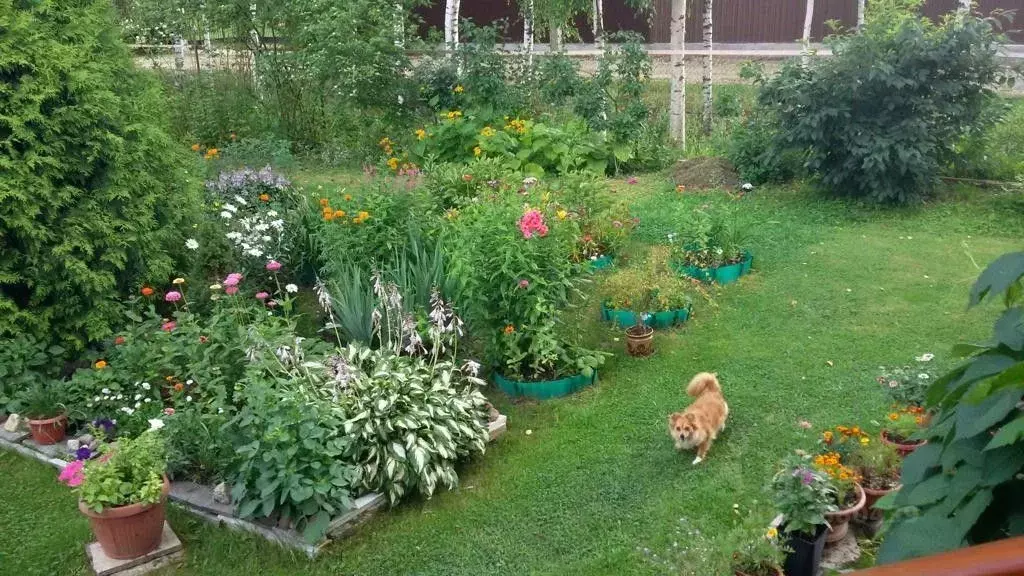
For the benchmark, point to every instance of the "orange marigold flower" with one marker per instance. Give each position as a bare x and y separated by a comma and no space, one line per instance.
328,214
178,386
195,147
324,202
894,416
339,213
265,197
146,291
348,197
510,329
119,340
827,435
100,364
364,215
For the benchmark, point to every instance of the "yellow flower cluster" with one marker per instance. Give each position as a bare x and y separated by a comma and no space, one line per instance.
459,89
421,134
330,213
831,464
516,125
212,154
393,163
453,115
477,151
387,145
487,132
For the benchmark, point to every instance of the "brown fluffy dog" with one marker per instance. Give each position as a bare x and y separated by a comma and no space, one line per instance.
699,425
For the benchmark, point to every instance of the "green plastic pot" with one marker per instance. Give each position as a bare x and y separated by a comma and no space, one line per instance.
748,259
601,263
682,315
544,389
663,319
728,274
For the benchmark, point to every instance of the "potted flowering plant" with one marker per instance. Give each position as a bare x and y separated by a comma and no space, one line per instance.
754,550
43,406
714,249
803,496
901,425
123,493
630,299
878,465
849,496
908,385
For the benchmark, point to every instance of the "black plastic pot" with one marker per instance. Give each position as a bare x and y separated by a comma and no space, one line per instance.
806,551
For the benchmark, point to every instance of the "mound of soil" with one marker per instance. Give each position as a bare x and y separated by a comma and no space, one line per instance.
705,172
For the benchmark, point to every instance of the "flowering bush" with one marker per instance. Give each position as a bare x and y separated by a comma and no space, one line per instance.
130,473
802,494
515,272
903,422
250,205
907,385
843,477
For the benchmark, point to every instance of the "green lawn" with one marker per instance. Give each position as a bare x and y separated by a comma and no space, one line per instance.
837,291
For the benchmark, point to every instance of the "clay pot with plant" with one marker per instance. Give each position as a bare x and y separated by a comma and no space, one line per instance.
849,496
124,494
901,425
43,405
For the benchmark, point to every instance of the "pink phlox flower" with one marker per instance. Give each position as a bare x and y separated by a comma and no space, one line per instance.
532,223
231,290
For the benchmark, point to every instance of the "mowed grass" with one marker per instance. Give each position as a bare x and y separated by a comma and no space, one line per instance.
838,290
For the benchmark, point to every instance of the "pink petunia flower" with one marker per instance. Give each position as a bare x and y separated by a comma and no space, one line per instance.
261,296
72,474
172,296
273,265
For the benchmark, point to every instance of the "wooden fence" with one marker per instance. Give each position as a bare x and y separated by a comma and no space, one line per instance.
736,21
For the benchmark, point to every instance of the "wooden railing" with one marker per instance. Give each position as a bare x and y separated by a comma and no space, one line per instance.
1002,558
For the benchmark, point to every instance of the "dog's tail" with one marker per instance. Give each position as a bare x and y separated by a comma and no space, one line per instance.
703,383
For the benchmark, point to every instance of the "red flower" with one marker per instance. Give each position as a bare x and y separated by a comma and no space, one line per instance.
146,291
119,340
168,326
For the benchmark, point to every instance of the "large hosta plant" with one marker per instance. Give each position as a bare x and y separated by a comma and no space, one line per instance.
966,485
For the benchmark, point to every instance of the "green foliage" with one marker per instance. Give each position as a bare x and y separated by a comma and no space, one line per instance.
94,192
25,363
753,548
41,400
714,236
647,287
877,463
289,444
802,494
994,154
196,449
907,385
880,117
753,150
209,106
964,486
410,420
133,473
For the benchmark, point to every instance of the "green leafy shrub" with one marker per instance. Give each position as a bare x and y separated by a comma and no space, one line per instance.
880,117
963,487
94,192
210,106
24,363
802,494
713,237
994,154
753,150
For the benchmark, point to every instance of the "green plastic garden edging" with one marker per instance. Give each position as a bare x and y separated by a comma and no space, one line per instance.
663,319
601,262
721,274
546,388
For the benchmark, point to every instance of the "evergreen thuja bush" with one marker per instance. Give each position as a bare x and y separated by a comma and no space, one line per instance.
881,117
93,192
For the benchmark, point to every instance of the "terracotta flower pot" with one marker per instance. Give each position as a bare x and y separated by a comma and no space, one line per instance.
130,531
839,522
640,341
48,431
904,448
871,495
778,572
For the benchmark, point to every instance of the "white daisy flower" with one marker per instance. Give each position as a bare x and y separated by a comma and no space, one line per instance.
225,214
923,376
926,357
188,398
146,386
191,244
155,423
291,288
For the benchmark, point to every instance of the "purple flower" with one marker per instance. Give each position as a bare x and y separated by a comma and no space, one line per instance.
172,296
105,423
807,477
83,453
273,265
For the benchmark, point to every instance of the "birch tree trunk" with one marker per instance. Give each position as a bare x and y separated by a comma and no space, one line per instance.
455,23
598,14
964,8
860,14
399,23
528,32
179,53
677,107
451,19
708,78
555,42
808,19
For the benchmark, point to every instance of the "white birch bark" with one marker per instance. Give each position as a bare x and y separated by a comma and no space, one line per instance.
708,79
179,53
254,37
399,24
677,107
455,23
528,32
450,18
598,27
808,19
860,14
964,7
555,43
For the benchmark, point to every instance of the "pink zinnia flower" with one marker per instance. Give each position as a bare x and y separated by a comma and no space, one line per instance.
262,296
72,474
273,265
272,303
169,411
172,296
231,290
524,283
633,180
233,279
168,326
